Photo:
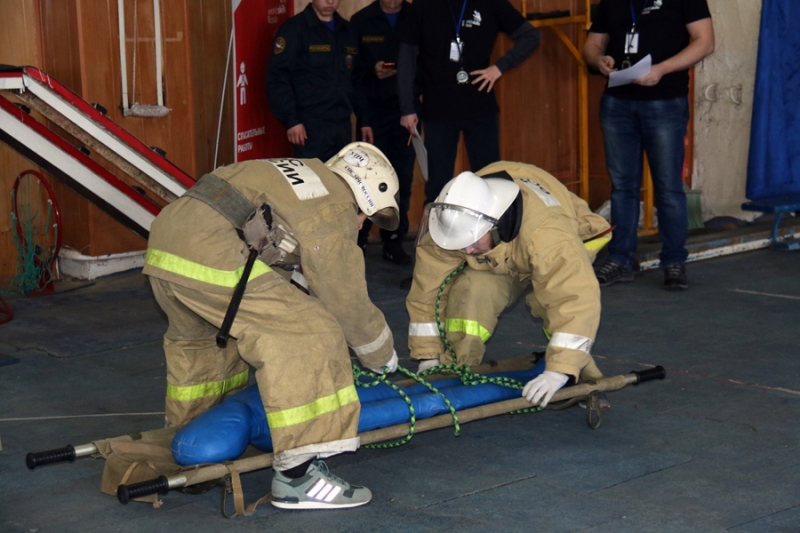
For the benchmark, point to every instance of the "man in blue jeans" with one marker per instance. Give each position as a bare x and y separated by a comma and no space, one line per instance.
649,116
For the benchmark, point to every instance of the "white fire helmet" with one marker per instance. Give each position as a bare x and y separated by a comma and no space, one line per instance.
468,208
373,181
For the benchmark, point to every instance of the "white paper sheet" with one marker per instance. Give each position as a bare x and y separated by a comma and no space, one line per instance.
631,74
422,153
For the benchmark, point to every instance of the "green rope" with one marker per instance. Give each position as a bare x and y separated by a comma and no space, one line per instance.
34,262
466,376
378,379
462,371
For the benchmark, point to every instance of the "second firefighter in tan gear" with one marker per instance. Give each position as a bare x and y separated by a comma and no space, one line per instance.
297,342
517,229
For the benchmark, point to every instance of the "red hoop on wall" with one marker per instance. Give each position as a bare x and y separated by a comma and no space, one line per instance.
35,207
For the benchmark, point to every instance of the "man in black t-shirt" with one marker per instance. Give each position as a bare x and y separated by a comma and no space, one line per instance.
649,115
453,40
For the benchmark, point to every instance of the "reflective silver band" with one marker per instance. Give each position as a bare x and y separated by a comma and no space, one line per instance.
374,345
85,449
423,329
573,342
177,481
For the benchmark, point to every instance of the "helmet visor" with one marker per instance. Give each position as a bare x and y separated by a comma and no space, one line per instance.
387,218
454,227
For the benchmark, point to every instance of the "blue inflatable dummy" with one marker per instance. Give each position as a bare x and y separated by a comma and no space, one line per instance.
223,433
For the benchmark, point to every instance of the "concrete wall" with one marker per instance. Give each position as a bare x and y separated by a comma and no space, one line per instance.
724,88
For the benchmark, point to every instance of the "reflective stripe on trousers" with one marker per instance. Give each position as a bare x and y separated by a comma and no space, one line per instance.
310,411
204,390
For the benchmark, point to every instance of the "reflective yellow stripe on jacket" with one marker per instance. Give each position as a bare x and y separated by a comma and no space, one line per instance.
204,390
310,411
184,267
470,327
595,245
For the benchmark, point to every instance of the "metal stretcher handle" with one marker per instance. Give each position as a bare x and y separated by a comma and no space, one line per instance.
236,299
34,459
67,453
649,375
126,493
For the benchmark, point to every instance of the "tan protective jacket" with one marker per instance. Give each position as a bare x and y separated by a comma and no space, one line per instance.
192,245
549,251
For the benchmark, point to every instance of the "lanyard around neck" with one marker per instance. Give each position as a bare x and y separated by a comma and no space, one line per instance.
634,16
460,18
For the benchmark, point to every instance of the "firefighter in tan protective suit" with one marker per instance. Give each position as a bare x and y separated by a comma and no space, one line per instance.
515,226
290,212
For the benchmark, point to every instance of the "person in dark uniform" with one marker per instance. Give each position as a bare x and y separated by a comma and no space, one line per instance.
309,80
378,27
454,41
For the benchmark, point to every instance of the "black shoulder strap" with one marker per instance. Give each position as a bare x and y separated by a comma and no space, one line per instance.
224,198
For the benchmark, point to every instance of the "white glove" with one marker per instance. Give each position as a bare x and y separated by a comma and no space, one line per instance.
389,367
425,364
543,386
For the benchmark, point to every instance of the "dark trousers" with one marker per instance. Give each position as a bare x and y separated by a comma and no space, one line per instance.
392,139
482,140
325,139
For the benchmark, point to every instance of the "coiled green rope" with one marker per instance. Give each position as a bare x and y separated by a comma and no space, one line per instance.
377,379
463,372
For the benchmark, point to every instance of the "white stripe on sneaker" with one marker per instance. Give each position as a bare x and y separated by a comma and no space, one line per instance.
324,492
315,488
336,490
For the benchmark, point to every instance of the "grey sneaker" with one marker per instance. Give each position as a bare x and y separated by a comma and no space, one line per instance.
611,272
318,489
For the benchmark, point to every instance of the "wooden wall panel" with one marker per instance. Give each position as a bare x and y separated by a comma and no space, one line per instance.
59,32
79,38
19,45
163,132
210,23
599,180
81,49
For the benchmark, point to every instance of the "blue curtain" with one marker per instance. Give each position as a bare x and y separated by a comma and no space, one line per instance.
773,167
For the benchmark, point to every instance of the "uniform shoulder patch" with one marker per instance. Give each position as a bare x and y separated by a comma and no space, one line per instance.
304,181
542,192
280,45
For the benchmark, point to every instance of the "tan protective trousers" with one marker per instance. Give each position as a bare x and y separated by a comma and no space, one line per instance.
472,307
302,365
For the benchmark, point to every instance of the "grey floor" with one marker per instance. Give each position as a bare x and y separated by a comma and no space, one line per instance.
713,448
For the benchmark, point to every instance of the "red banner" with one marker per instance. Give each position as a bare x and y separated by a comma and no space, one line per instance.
259,135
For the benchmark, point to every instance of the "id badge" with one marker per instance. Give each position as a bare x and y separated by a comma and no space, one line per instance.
455,53
632,43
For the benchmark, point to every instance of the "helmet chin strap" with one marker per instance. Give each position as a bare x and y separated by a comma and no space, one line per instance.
495,238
